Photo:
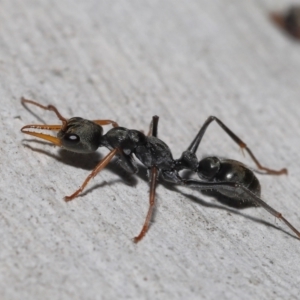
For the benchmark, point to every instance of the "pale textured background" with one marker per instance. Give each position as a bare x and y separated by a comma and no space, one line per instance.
129,60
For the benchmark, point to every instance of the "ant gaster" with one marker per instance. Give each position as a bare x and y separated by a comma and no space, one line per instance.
229,178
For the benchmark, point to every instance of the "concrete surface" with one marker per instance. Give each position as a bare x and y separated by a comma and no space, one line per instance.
129,60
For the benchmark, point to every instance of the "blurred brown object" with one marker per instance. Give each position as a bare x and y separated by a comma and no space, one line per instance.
290,21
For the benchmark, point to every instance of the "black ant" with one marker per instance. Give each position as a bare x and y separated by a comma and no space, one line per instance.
229,178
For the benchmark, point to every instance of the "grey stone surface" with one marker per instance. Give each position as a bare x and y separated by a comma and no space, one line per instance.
129,60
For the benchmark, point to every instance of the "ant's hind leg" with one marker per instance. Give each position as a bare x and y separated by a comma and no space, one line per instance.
196,142
240,191
153,180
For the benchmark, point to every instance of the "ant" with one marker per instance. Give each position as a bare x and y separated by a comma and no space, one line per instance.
228,178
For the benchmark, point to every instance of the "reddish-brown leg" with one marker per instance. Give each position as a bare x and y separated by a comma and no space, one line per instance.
106,122
244,147
194,146
153,178
151,205
260,167
102,164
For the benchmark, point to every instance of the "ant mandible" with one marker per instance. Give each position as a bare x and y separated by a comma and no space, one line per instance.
229,178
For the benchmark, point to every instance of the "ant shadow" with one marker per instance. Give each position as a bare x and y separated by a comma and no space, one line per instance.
83,161
33,113
88,162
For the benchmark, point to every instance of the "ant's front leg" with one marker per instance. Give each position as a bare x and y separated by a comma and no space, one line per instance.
102,164
191,150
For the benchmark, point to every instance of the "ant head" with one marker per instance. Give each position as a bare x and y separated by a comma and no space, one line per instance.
80,135
208,168
75,134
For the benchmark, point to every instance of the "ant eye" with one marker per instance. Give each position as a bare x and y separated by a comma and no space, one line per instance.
71,137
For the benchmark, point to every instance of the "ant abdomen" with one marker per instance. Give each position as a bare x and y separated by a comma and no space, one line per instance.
225,170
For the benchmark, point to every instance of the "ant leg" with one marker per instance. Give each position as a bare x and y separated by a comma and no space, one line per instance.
240,191
106,122
153,126
145,228
195,144
153,180
101,165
